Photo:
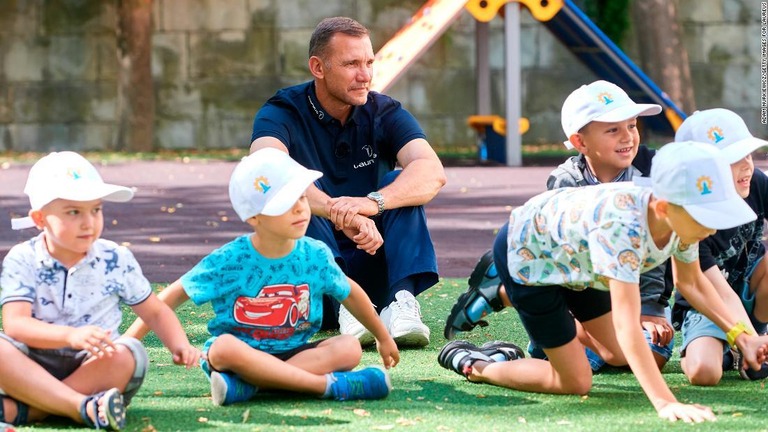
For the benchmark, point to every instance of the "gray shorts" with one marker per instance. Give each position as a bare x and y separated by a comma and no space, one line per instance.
62,362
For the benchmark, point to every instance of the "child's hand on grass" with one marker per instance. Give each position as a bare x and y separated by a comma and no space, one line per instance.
693,413
390,355
188,356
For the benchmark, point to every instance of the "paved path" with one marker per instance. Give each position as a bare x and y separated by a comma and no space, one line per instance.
181,211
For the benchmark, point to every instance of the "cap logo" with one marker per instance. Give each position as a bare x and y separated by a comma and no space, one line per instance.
715,134
704,185
74,173
605,98
261,184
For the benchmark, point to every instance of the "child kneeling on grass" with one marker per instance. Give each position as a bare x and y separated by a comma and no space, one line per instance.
61,352
578,253
733,259
266,290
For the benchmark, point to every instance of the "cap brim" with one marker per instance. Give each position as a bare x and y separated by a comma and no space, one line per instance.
741,149
287,196
621,114
104,191
629,111
723,214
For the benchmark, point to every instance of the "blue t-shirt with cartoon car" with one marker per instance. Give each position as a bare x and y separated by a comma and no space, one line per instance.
273,305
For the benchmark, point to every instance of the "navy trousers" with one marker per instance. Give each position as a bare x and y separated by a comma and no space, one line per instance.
407,252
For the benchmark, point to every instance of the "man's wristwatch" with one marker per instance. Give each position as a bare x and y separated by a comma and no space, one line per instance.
379,198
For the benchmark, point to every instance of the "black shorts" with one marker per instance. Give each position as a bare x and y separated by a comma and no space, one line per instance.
547,312
288,354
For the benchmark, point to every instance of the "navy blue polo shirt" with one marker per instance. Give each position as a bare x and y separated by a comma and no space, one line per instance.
353,157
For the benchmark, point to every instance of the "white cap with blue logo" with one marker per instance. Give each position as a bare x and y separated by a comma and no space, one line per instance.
268,182
722,128
697,177
601,101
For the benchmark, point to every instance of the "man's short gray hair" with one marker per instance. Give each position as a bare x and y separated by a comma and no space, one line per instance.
328,27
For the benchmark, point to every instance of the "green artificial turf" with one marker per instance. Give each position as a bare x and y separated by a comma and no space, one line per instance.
427,397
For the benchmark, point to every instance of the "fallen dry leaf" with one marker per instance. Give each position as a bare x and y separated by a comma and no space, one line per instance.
154,239
384,427
361,412
202,419
246,415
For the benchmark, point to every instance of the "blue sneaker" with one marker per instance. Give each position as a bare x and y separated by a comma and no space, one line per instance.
369,383
227,388
480,299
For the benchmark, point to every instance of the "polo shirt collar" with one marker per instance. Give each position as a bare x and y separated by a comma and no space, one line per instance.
46,260
317,111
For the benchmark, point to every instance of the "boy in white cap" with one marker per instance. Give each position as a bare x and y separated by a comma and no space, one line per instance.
600,121
61,350
266,290
578,253
732,259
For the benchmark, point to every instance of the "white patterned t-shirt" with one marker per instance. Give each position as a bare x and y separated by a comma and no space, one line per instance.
583,237
88,293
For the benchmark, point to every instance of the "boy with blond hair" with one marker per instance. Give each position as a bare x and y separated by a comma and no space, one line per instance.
579,252
266,289
61,351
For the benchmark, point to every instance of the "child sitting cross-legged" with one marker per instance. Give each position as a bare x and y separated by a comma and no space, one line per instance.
60,350
266,289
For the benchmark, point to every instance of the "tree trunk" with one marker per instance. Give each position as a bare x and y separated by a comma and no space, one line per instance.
135,112
662,52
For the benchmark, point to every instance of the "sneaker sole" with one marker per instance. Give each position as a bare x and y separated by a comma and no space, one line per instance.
387,379
464,300
218,389
413,339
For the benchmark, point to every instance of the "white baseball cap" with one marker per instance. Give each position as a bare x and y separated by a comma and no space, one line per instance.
66,175
268,182
601,101
697,177
722,128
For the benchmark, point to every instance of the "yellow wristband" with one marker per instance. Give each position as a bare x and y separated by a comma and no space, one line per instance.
734,332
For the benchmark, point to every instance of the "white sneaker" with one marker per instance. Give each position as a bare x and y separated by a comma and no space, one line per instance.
403,321
349,325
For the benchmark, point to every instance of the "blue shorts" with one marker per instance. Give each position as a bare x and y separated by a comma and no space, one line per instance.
665,351
696,325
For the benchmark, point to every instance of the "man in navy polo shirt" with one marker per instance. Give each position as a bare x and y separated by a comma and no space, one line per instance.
369,214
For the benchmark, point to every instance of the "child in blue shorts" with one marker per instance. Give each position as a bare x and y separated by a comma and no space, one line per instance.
578,253
266,289
732,259
60,350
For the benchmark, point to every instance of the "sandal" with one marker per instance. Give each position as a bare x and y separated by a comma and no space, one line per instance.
22,411
483,283
113,410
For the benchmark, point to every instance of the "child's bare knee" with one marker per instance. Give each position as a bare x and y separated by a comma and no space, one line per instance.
578,386
350,346
703,374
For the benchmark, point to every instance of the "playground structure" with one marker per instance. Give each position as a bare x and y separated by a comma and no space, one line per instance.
500,137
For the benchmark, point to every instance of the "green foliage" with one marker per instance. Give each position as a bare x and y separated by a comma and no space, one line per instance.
611,16
427,397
